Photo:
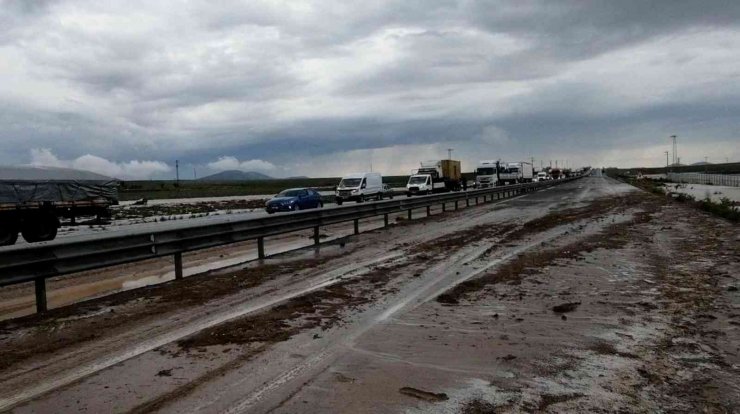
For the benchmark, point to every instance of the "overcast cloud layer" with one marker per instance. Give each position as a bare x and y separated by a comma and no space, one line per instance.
320,88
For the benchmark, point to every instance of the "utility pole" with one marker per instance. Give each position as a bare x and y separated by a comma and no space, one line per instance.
675,150
666,161
449,153
195,176
177,172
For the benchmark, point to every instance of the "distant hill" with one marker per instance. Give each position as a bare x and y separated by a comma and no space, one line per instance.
297,177
236,175
702,163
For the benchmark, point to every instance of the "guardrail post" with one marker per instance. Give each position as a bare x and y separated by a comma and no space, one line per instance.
467,201
316,238
40,287
476,200
456,205
444,207
409,214
357,226
261,247
429,211
385,220
178,266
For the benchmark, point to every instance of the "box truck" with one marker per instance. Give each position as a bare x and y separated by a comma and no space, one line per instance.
517,172
435,176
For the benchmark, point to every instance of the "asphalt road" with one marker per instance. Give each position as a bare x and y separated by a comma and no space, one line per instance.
572,299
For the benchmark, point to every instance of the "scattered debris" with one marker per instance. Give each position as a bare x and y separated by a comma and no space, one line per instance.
549,399
423,395
165,373
448,299
565,307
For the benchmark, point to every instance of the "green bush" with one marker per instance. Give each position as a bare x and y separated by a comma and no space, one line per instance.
725,208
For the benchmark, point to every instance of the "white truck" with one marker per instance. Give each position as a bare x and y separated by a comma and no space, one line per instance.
541,176
360,187
486,175
517,172
435,176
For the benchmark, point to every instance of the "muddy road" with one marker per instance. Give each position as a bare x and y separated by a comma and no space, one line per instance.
591,296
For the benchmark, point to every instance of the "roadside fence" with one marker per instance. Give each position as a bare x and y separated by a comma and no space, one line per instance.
700,178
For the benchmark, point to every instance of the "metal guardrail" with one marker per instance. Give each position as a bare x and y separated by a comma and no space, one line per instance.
37,263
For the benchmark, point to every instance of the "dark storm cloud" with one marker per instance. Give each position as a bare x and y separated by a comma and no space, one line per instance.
265,81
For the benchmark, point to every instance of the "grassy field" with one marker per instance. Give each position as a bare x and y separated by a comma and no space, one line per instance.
134,190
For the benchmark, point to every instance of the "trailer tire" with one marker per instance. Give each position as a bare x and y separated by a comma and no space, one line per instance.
339,201
8,235
40,227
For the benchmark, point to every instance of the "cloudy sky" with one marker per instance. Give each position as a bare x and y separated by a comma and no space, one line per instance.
321,88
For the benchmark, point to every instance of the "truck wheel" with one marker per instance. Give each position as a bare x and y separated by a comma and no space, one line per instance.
40,227
339,201
8,235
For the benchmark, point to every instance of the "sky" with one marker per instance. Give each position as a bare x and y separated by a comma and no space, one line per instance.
323,88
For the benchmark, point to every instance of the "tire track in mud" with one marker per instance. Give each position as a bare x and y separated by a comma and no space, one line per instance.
481,214
426,293
320,309
8,401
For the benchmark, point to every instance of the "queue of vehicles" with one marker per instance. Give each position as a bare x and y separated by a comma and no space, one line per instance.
32,200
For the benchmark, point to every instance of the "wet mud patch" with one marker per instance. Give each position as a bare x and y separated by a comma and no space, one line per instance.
463,238
322,309
40,334
479,406
252,335
546,400
597,208
198,208
533,261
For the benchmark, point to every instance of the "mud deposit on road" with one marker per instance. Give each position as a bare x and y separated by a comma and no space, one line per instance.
533,261
194,209
587,297
36,335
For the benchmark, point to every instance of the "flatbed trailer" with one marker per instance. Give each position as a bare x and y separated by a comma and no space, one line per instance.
33,199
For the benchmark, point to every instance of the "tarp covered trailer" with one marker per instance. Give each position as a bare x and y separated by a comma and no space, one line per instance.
33,199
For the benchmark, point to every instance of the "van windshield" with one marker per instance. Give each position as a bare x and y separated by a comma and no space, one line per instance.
418,180
513,169
350,182
486,171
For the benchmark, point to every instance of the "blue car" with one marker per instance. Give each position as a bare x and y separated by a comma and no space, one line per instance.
294,199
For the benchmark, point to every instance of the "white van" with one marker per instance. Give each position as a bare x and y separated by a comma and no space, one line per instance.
360,187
